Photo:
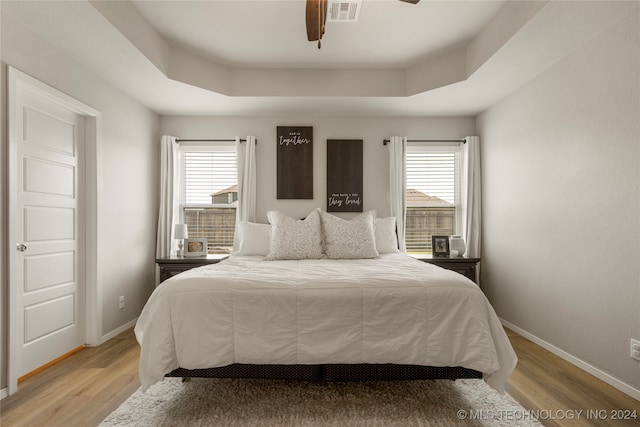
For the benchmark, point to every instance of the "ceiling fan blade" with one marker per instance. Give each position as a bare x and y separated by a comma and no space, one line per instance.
316,19
410,1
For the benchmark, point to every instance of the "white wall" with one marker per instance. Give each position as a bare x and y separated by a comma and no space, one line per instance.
561,204
128,174
371,130
4,232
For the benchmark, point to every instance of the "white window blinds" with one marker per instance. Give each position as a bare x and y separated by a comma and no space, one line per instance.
209,194
207,173
432,174
433,194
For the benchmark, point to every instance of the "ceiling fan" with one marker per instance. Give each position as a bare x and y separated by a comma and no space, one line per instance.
316,16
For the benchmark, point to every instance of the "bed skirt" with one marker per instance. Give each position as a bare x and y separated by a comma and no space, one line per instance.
330,372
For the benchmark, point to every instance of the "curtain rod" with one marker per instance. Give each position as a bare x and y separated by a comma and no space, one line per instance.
464,141
210,140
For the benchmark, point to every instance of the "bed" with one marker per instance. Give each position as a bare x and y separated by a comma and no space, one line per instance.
321,298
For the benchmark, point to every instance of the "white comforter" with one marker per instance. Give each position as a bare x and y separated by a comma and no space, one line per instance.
393,309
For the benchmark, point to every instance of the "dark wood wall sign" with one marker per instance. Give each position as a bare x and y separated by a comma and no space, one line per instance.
344,175
295,162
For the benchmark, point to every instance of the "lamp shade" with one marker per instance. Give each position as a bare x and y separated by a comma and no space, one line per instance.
180,231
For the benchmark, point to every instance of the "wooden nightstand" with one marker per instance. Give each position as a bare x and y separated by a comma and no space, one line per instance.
463,265
173,265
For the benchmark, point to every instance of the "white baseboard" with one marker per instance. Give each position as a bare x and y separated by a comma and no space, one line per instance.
596,372
4,393
115,332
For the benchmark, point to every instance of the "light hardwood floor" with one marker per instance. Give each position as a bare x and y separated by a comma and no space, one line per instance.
84,388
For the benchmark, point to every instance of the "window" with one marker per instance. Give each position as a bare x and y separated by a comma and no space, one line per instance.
433,194
209,194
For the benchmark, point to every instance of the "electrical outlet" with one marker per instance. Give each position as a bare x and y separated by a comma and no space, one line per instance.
121,302
635,350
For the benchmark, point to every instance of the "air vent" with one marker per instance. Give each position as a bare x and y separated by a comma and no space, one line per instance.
344,11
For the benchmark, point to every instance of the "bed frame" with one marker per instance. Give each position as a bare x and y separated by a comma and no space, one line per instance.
330,372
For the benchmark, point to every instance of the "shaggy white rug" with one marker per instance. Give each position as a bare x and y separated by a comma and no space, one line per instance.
233,402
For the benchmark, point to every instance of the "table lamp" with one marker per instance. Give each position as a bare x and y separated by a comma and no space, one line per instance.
180,232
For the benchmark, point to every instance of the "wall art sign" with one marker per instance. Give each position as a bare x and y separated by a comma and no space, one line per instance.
344,175
295,162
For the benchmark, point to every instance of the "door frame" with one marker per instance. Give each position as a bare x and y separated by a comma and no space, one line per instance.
91,205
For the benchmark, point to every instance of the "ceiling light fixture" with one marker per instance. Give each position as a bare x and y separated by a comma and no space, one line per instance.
316,16
338,11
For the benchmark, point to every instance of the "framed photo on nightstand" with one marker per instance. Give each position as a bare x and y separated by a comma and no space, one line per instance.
195,247
440,246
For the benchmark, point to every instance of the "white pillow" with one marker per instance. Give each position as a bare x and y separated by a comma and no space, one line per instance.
294,239
386,236
253,239
349,239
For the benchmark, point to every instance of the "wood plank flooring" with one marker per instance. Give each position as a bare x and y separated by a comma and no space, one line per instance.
84,388
544,381
79,391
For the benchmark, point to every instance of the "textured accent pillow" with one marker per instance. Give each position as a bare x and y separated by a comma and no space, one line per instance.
349,239
386,236
294,239
253,239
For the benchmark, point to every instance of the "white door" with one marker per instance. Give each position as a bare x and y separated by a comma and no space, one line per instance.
47,223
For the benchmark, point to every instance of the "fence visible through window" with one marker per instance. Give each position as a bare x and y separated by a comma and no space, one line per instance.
217,225
424,222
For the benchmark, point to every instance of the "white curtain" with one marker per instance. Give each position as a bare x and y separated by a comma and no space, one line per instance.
470,195
397,181
246,158
169,213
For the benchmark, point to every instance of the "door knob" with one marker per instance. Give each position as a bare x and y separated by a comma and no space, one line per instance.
21,247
